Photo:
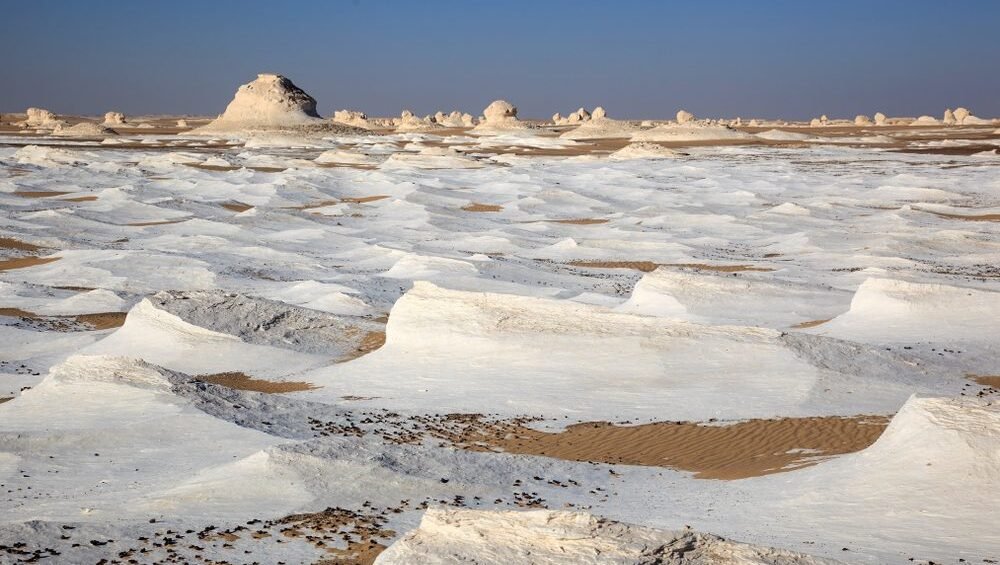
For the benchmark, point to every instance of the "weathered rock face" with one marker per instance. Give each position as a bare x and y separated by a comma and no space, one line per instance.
960,114
114,119
879,119
949,117
684,116
409,122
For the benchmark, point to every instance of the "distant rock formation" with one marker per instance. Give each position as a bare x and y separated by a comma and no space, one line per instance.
684,117
599,126
949,117
862,120
455,119
40,118
114,119
352,118
408,122
880,119
182,123
500,115
83,129
960,114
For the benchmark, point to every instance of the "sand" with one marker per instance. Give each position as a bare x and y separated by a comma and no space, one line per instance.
96,321
737,451
240,381
476,207
24,262
987,380
11,243
581,221
810,324
649,266
39,193
236,206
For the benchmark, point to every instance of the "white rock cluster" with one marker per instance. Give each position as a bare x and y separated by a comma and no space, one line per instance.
40,118
114,119
500,115
454,119
354,118
409,122
599,126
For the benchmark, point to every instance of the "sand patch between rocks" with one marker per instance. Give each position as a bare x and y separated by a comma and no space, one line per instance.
24,262
736,451
580,221
97,321
236,206
810,324
11,243
241,381
986,380
476,207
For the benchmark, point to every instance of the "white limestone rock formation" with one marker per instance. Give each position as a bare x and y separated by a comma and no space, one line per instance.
409,122
352,118
182,123
925,121
83,129
114,119
880,119
448,535
949,117
599,126
455,119
644,150
862,120
683,117
499,116
691,132
960,114
40,118
269,103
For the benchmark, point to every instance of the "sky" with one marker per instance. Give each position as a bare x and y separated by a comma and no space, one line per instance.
716,58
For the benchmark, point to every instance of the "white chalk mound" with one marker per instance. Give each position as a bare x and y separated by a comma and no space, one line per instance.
644,150
599,126
546,536
269,102
83,129
352,118
40,118
690,131
683,117
498,116
409,122
114,119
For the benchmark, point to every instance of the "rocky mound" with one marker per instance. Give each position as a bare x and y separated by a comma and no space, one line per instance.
83,129
271,102
410,122
498,116
353,118
644,150
546,536
114,119
40,118
599,126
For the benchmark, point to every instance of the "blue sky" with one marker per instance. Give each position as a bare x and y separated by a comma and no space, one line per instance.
769,58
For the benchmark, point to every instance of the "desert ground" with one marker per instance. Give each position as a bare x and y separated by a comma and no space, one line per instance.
275,337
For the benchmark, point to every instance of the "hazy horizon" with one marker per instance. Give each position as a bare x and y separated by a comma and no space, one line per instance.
719,58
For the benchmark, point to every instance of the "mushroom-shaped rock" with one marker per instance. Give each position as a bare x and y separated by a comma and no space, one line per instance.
879,119
683,116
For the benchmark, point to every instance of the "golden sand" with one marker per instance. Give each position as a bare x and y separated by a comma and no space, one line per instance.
986,380
810,324
241,381
644,266
476,207
98,321
363,199
24,262
581,221
737,451
11,243
39,193
236,206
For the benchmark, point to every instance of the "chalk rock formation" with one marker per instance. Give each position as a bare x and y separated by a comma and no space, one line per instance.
862,120
644,150
560,537
351,118
500,115
409,122
949,117
83,129
40,118
925,121
754,123
114,119
455,119
971,120
691,131
684,117
557,118
879,119
182,123
815,123
960,114
599,126
271,102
